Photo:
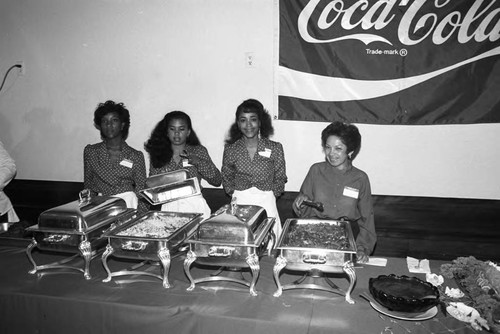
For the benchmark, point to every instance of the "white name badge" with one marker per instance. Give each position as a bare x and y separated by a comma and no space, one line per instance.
127,163
266,153
185,163
351,192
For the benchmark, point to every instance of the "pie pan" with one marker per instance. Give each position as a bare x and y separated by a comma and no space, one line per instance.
403,293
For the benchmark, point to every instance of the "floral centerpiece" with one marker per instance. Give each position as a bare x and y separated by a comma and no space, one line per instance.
477,300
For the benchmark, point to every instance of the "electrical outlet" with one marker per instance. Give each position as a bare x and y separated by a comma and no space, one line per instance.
250,60
22,68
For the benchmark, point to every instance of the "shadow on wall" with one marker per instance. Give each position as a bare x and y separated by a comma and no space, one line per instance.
5,133
45,150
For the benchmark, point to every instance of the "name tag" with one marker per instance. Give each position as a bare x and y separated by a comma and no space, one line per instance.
351,192
185,163
266,153
127,163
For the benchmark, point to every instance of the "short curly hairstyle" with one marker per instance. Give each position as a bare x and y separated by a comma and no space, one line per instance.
251,106
110,107
159,146
348,134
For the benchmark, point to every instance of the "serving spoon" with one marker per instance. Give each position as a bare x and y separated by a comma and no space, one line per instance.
317,205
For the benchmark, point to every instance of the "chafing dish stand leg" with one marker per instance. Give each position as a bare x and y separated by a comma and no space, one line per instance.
163,255
348,268
279,265
252,260
85,251
190,258
109,250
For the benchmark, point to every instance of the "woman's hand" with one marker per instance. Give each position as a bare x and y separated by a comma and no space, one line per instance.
192,159
297,203
361,256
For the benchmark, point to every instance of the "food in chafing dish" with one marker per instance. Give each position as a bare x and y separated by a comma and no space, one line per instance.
320,235
155,227
152,236
315,247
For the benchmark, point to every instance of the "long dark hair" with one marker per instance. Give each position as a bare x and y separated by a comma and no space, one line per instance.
159,146
251,106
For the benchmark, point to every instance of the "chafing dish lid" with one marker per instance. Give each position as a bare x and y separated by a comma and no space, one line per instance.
166,178
233,223
172,191
82,214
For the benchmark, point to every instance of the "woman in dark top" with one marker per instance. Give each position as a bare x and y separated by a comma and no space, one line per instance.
253,166
111,167
173,145
343,189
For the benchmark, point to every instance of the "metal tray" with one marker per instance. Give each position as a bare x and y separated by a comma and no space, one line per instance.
157,246
146,247
166,178
172,191
326,258
234,237
313,257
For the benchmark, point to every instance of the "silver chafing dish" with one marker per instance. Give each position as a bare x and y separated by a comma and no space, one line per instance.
153,236
76,227
316,247
236,236
171,186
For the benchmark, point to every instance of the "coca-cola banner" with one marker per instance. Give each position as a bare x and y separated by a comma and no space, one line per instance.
389,61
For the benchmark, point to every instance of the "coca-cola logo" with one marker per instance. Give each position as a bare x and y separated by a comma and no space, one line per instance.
387,28
481,22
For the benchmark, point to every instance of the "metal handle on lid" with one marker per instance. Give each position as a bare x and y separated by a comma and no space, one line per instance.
85,196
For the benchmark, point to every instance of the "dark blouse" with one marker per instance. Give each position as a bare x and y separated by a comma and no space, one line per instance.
266,171
205,169
345,193
101,175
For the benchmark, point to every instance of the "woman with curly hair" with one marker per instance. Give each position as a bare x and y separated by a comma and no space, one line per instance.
111,167
343,189
173,145
253,166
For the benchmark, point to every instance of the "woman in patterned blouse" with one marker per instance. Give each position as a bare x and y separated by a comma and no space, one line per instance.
253,167
111,167
173,145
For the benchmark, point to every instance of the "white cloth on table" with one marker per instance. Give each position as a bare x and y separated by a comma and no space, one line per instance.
130,199
265,199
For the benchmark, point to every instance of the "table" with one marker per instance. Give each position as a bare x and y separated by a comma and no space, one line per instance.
65,302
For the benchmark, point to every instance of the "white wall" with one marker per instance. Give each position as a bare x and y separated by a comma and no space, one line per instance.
161,55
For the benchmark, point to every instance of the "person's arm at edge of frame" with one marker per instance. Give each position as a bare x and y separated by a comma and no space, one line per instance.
140,181
280,177
227,172
367,236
